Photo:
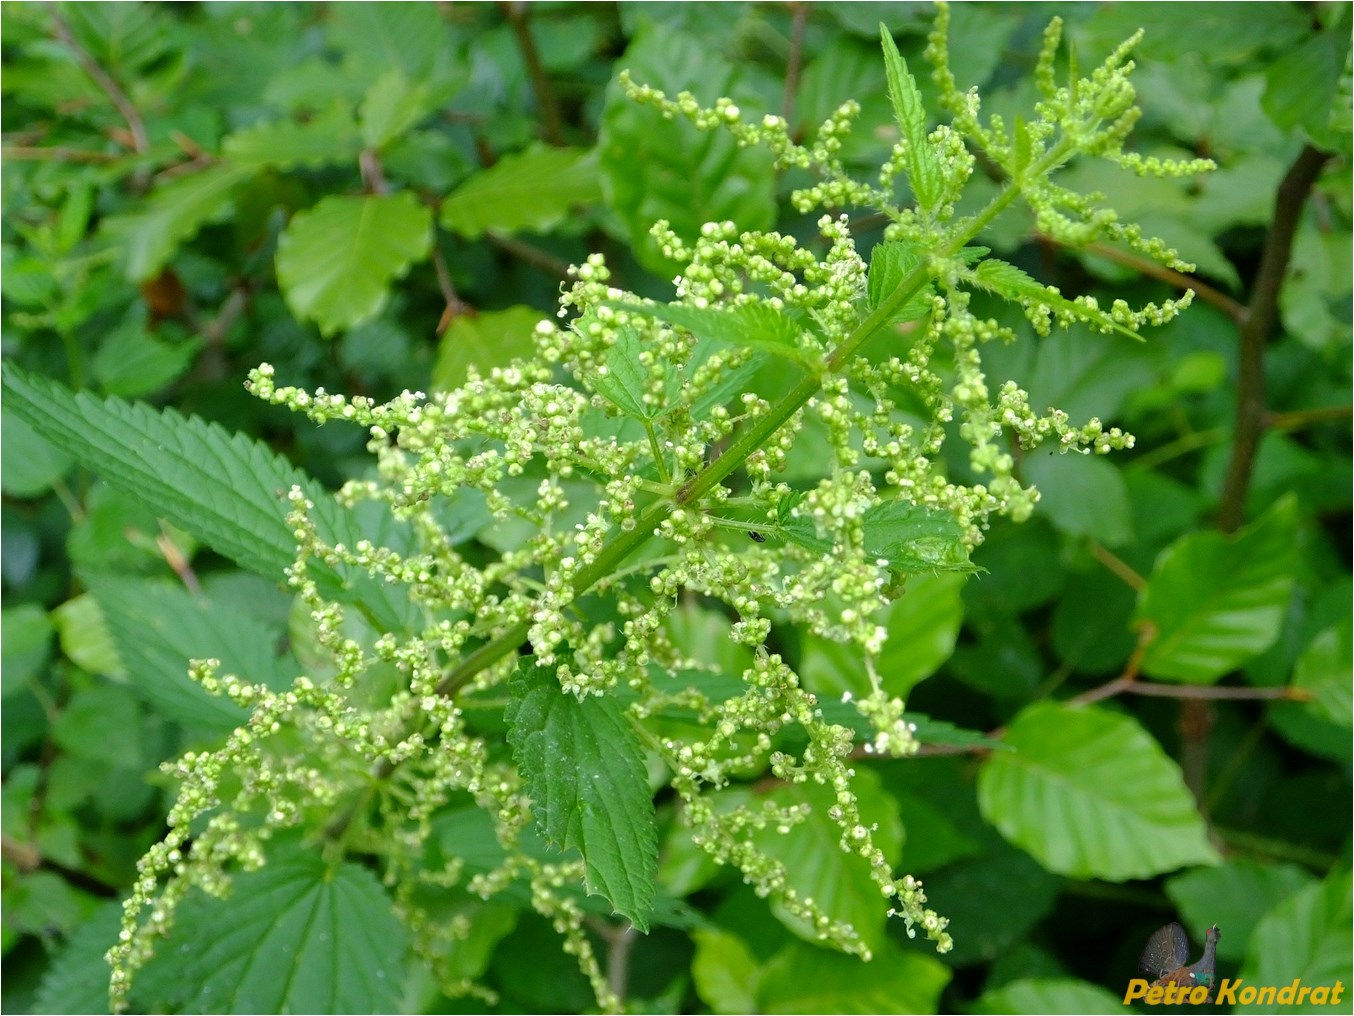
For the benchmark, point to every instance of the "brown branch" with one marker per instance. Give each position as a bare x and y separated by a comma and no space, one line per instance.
135,126
552,124
453,305
533,256
1179,280
1260,319
1296,419
56,154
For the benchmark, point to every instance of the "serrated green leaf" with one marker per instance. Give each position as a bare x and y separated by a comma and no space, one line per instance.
803,979
327,138
1217,601
1051,996
1235,896
1007,280
1308,937
299,935
912,538
534,189
77,980
173,214
584,769
225,489
745,325
815,865
1090,794
890,263
623,381
923,168
335,262
158,627
492,338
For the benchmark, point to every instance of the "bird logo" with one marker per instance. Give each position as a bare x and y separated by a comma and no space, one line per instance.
1166,953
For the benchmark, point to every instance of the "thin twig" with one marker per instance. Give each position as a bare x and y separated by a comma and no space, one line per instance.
529,254
1118,567
1179,280
552,124
453,306
1296,419
1259,322
110,88
57,154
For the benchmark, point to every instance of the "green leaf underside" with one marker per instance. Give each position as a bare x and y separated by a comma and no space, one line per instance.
584,769
745,325
923,168
336,261
225,489
1090,794
1217,601
157,627
1011,282
911,538
533,189
296,936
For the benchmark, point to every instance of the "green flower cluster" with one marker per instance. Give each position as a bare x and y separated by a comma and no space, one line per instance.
633,455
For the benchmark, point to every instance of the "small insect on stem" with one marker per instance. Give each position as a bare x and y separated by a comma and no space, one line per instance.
757,536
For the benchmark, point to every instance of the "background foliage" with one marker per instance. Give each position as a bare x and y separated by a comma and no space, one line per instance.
374,197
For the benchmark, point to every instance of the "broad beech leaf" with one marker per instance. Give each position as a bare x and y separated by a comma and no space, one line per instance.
173,213
655,168
225,489
534,189
815,865
1216,601
391,107
25,640
923,166
335,262
1082,495
491,338
1090,794
158,627
804,979
299,935
328,138
1307,937
584,769
1052,995
1235,895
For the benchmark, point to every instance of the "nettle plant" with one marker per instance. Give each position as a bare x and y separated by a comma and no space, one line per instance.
493,722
